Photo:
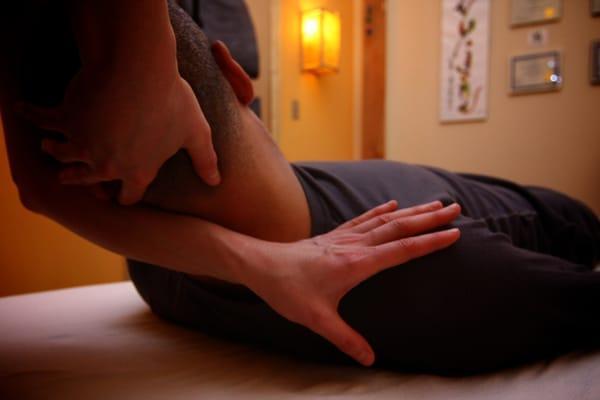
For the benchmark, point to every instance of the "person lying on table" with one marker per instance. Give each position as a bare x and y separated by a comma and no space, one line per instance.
125,108
518,285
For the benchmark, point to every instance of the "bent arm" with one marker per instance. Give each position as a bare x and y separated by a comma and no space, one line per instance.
186,244
183,243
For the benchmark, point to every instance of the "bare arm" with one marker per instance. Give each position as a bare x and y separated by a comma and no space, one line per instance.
184,243
127,109
303,281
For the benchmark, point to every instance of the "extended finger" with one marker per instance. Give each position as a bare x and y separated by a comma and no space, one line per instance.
413,225
333,328
374,212
50,119
64,152
390,216
401,251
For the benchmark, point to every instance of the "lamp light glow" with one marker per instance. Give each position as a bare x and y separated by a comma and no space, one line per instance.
321,37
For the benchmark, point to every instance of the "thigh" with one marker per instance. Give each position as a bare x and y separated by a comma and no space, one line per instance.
572,228
479,305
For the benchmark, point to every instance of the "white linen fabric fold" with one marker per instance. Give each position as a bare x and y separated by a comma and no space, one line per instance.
102,342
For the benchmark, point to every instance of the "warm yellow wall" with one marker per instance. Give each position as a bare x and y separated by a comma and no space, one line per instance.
546,139
37,254
325,127
260,12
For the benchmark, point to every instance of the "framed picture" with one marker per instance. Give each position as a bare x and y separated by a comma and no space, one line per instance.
595,63
538,72
595,7
526,12
464,63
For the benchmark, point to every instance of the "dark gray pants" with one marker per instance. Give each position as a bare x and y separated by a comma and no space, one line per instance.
450,312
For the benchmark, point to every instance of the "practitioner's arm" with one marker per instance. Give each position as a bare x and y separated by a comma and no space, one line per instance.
129,63
303,281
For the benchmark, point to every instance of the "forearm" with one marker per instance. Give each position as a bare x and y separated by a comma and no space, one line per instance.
182,243
186,244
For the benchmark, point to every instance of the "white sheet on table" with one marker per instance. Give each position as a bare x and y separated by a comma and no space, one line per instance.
102,342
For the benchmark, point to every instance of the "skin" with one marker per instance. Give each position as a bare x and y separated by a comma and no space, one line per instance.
259,188
108,135
222,240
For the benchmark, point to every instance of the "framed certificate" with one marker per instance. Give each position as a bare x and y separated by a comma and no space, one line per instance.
595,7
525,12
595,63
539,72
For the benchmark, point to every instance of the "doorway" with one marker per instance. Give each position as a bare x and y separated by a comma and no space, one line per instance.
262,17
373,60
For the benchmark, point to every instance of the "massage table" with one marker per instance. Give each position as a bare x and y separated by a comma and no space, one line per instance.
102,342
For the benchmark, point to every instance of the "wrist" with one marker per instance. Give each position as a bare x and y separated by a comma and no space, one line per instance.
240,258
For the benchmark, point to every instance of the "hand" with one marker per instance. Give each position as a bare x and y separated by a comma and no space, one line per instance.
121,127
305,281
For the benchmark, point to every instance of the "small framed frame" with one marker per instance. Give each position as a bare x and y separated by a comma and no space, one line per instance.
527,12
595,63
595,8
536,72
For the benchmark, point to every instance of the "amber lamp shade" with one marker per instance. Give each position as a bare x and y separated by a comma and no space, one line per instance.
321,39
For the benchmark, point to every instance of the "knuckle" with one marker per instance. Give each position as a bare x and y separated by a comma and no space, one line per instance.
408,244
317,240
383,219
349,238
354,260
352,223
329,251
399,224
369,237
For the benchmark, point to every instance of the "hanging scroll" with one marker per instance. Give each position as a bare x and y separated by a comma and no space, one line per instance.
465,60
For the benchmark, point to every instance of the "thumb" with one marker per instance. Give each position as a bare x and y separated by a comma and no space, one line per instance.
333,328
50,119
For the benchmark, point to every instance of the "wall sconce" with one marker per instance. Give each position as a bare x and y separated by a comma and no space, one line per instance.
321,38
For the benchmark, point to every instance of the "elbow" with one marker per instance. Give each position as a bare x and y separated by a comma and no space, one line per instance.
30,196
30,200
32,192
